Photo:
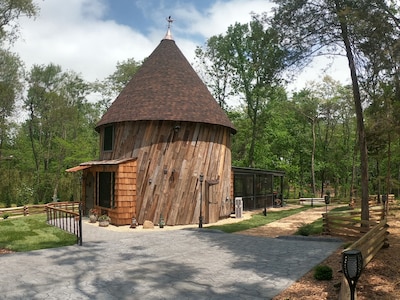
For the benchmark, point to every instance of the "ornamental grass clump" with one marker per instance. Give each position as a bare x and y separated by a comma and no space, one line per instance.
304,230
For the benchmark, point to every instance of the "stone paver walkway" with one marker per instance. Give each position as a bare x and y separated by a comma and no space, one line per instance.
171,264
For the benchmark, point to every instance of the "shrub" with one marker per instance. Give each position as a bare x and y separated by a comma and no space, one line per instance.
323,272
5,215
24,195
304,230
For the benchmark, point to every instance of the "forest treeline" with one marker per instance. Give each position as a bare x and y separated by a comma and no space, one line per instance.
327,136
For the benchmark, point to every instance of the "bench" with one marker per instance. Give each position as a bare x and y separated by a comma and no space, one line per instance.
303,201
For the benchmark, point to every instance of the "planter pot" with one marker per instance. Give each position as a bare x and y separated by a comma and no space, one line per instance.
104,223
92,218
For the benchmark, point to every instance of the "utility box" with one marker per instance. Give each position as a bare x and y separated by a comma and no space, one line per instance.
238,207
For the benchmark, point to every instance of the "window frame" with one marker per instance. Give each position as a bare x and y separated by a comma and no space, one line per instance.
105,196
108,138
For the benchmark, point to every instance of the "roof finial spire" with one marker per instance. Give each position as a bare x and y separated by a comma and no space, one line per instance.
168,36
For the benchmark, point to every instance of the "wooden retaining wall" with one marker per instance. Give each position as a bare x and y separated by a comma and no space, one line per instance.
170,158
369,245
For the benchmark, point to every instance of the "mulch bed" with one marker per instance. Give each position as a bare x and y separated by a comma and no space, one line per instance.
5,251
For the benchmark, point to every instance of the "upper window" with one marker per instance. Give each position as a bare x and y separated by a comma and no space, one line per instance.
108,142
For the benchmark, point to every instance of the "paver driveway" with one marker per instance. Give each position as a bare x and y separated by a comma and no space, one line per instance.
177,264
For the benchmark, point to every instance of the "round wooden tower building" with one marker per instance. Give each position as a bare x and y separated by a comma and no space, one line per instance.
165,148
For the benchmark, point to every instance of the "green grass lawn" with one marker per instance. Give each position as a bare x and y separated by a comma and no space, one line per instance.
258,220
316,227
32,233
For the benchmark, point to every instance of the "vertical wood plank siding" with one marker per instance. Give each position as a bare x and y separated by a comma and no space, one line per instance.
170,157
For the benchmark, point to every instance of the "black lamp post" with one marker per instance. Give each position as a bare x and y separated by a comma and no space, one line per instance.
201,200
327,199
352,264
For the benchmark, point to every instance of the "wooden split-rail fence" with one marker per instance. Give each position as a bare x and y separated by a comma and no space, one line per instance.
25,210
349,224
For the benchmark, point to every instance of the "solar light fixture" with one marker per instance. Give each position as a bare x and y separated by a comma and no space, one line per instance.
201,179
134,223
352,264
385,204
327,199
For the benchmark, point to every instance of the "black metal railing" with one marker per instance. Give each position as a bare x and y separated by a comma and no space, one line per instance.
66,216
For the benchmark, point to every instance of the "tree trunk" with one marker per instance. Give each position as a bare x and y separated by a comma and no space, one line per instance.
378,175
359,113
388,175
313,157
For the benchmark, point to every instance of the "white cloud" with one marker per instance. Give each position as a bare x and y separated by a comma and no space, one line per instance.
76,35
221,15
193,27
335,67
73,35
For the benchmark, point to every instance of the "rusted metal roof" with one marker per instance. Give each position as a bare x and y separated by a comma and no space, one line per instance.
166,87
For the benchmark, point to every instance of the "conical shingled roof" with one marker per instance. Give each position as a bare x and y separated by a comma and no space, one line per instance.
166,87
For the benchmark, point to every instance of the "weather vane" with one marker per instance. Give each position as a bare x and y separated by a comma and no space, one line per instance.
169,20
168,36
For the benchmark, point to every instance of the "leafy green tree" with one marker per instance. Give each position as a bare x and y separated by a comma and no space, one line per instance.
320,119
249,60
10,88
214,65
381,82
320,27
10,11
382,133
333,105
112,85
57,126
307,107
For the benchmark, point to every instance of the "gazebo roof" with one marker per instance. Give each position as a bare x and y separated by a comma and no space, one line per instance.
166,87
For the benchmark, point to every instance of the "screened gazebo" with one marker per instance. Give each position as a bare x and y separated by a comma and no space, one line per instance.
258,188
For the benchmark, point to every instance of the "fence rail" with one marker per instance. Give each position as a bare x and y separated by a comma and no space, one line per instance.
349,223
25,210
66,216
369,244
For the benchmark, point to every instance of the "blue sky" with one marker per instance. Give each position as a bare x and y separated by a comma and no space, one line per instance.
91,36
144,14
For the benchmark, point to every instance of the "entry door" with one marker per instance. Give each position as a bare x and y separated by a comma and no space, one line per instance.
89,192
211,209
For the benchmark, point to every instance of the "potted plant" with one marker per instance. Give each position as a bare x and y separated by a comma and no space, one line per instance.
93,213
104,220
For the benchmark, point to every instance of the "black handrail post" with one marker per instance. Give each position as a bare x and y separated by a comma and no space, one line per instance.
80,225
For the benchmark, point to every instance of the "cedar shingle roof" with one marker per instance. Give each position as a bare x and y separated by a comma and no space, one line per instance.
166,88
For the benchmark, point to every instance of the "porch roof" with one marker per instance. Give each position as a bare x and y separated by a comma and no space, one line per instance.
92,163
